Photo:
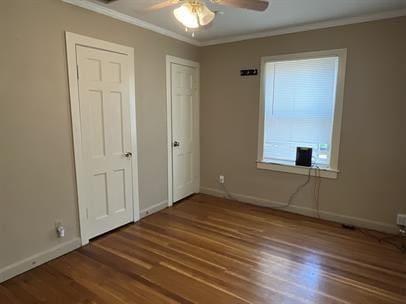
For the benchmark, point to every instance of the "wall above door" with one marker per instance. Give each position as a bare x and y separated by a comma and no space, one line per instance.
282,16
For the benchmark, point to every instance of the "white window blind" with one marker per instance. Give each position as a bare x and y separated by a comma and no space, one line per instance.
299,108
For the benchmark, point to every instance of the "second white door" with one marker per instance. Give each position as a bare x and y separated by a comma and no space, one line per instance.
184,95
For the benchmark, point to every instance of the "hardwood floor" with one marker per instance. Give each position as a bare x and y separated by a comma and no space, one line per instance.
210,250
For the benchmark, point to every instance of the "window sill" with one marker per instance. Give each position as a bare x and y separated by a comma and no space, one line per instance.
322,172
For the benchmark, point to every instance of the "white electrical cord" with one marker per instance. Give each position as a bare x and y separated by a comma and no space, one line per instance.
300,187
316,191
228,194
317,184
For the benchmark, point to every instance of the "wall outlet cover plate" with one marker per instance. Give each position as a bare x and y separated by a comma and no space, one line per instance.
401,220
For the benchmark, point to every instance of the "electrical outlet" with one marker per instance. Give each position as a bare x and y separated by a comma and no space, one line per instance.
221,179
401,220
60,229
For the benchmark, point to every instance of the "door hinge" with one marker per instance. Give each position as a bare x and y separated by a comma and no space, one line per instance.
77,71
87,213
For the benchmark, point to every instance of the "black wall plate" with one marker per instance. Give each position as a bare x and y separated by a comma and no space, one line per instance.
250,72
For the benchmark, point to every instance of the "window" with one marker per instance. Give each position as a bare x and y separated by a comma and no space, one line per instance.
301,105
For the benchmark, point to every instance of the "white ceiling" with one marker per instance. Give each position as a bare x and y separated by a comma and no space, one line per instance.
280,14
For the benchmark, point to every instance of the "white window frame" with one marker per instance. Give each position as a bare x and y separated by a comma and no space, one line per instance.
332,171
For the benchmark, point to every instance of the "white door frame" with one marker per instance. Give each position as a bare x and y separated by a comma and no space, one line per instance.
72,40
196,146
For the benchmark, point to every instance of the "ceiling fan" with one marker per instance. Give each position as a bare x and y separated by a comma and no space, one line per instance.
194,14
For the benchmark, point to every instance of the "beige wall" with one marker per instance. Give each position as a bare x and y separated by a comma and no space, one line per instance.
37,180
371,185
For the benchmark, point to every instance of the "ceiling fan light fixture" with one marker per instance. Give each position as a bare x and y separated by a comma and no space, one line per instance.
194,14
205,15
186,15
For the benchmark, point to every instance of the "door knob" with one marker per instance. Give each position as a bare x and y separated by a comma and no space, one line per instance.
176,144
128,154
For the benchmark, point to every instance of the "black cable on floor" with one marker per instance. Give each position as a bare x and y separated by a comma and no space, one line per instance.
386,240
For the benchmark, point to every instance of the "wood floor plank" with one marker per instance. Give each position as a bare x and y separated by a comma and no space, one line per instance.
212,250
7,297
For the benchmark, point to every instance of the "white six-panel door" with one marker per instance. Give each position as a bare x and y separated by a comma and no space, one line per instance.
104,101
184,119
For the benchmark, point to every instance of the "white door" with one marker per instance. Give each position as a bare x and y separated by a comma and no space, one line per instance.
104,101
184,137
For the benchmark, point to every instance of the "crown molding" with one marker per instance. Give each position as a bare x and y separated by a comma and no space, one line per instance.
308,27
281,31
129,19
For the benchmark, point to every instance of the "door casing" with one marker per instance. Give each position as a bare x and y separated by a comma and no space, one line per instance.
72,40
196,148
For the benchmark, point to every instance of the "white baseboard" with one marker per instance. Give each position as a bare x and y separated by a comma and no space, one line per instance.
40,258
330,216
154,208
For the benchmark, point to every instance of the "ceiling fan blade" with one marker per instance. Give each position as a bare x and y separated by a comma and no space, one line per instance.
161,5
256,5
